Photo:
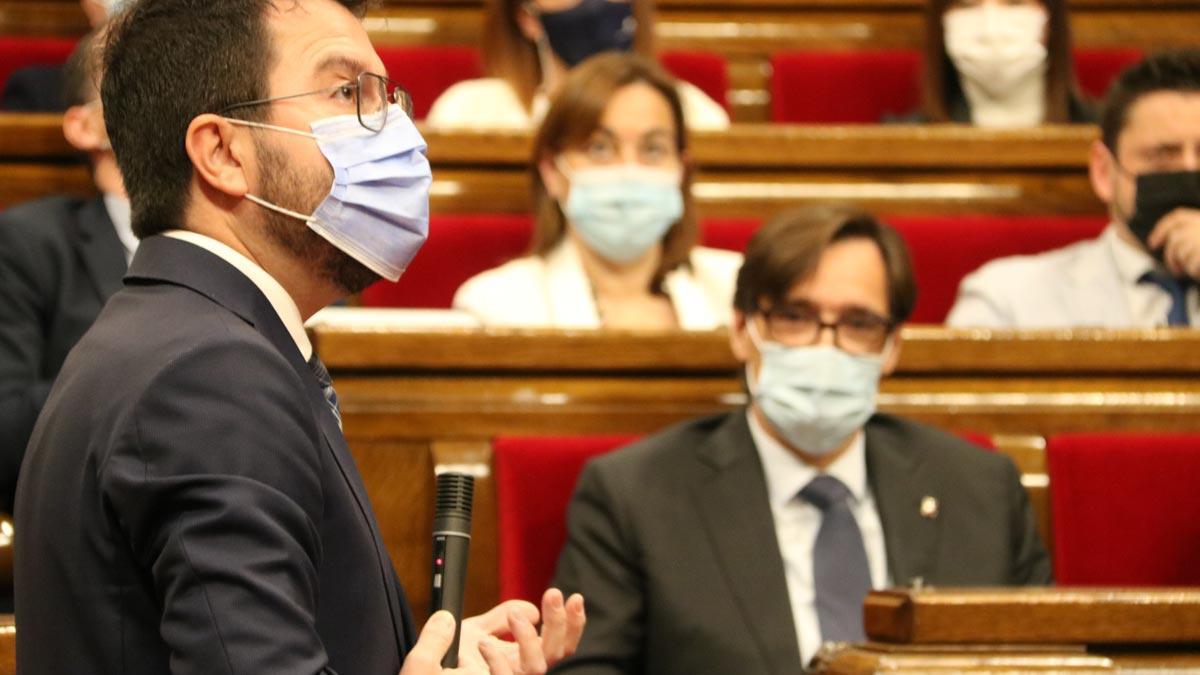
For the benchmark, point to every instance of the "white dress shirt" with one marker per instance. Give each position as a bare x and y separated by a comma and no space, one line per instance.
122,220
1148,303
797,523
279,298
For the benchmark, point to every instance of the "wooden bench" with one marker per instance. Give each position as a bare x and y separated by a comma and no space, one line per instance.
747,171
415,400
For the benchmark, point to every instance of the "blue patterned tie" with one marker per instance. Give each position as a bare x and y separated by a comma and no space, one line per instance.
1177,289
841,575
323,379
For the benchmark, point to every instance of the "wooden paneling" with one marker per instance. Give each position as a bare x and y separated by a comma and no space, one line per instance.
448,394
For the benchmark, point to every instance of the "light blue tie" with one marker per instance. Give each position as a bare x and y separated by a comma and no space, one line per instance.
841,575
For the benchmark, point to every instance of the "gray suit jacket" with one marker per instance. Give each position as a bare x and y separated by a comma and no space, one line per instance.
673,545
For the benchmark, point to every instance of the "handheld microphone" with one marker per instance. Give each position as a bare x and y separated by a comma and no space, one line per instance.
451,540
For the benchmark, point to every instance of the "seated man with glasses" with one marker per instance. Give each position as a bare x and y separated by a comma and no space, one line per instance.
1142,272
740,543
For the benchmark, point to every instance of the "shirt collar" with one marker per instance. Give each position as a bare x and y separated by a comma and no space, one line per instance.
787,474
122,220
279,298
1132,261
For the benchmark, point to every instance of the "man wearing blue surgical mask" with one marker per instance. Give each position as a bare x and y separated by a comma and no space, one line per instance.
1142,271
753,537
188,502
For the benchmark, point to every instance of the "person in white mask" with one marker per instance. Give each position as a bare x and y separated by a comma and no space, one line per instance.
615,232
1000,64
753,536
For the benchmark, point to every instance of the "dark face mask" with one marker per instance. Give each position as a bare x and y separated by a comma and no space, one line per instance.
591,27
1159,194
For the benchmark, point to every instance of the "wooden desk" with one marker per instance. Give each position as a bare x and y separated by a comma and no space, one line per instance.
747,171
1024,630
412,401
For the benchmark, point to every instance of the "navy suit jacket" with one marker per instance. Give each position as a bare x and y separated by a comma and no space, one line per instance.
673,544
60,260
34,89
188,503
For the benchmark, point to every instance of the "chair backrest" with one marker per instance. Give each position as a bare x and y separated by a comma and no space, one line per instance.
18,51
1095,69
535,477
708,71
844,87
427,71
1126,509
459,247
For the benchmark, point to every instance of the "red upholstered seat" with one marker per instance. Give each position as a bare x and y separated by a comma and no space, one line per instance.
844,87
459,247
945,249
427,71
708,71
17,52
534,481
1126,509
1097,68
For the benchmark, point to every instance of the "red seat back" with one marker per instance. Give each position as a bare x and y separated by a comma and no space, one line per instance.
1095,69
1126,509
844,87
17,52
945,249
459,247
707,71
427,71
534,481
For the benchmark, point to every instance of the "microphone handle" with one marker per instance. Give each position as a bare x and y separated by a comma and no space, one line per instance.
449,582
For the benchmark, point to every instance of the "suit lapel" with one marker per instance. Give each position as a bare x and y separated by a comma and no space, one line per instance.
736,516
900,482
99,248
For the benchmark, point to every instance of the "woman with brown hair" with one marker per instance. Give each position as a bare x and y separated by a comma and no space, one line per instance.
1000,63
615,228
530,45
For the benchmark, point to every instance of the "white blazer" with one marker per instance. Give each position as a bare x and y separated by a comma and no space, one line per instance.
554,292
490,103
1092,283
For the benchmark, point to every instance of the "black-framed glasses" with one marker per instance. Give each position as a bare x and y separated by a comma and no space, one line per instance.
856,331
373,95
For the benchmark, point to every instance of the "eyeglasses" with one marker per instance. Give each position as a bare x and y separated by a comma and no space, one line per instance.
373,95
856,331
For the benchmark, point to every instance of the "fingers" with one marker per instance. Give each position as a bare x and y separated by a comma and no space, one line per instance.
495,620
576,620
554,626
425,658
494,656
529,643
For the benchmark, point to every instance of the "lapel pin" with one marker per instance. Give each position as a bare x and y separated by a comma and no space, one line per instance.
929,507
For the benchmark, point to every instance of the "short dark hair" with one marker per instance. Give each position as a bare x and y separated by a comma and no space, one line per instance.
1177,70
80,74
165,63
787,249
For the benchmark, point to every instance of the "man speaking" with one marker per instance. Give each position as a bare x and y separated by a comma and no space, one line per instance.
188,503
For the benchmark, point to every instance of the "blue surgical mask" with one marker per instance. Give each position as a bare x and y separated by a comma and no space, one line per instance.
377,211
589,28
814,397
621,211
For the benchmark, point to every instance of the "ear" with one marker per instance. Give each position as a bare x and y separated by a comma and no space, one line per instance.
221,156
1101,170
557,185
529,23
83,127
892,357
739,338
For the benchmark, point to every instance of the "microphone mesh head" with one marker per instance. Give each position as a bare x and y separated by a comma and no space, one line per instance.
455,494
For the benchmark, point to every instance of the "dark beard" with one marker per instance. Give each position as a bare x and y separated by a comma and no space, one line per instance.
303,191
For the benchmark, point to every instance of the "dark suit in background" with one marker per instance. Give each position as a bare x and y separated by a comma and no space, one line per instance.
673,543
210,517
60,260
34,89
